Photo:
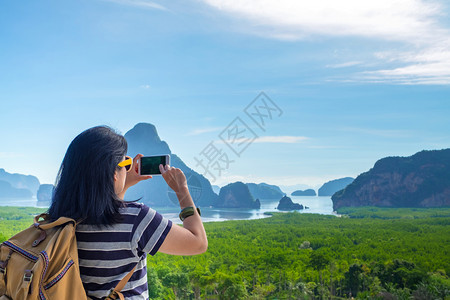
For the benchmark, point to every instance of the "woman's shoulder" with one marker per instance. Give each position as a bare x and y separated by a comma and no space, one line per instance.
135,208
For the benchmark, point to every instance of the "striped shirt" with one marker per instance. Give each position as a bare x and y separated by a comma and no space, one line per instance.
108,254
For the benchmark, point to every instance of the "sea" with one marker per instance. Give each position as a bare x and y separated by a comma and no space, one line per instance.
316,205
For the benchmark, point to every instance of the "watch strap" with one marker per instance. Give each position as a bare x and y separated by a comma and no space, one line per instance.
187,212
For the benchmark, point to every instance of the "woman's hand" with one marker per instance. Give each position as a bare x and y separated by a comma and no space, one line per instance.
133,176
175,178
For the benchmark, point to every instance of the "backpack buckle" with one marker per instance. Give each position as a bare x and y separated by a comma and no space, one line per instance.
3,268
4,264
41,237
28,275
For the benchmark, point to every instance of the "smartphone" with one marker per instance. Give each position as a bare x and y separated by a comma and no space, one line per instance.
149,165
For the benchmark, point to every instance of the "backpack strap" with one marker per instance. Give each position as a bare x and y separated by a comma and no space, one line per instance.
44,226
46,217
3,265
116,294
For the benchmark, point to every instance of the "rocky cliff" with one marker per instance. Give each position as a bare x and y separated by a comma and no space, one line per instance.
287,204
236,195
265,191
44,195
7,191
331,187
20,182
420,180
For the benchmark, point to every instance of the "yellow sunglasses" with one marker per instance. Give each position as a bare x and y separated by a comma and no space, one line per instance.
127,163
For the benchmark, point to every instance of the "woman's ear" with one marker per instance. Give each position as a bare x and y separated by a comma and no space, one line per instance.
115,175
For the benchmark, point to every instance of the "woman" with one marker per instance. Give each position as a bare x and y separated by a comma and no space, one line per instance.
115,236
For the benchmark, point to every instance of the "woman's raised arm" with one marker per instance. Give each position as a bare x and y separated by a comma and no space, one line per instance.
191,238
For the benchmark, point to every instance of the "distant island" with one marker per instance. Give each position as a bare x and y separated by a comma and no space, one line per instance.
14,185
44,195
265,191
8,191
236,195
287,204
331,187
420,180
308,192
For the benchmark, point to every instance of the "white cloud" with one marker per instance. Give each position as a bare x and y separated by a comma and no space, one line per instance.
345,64
391,19
414,23
145,86
286,139
204,130
139,3
323,147
429,66
280,139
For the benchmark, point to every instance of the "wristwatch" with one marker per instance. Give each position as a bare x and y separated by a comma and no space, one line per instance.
187,212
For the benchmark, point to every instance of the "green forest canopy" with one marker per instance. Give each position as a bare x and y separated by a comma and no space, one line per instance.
304,255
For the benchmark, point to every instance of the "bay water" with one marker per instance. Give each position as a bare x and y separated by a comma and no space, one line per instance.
316,205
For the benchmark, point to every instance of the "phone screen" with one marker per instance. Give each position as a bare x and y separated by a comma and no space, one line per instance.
150,164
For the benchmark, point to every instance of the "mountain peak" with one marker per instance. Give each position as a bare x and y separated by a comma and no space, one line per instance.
143,138
145,130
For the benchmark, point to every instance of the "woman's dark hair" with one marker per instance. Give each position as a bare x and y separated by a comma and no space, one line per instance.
84,186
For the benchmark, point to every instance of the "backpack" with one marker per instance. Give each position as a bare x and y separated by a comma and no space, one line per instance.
41,262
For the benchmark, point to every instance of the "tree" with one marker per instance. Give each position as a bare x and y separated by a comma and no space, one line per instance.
155,288
318,261
178,281
353,279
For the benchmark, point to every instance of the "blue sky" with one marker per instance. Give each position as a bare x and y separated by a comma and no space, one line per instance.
355,80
